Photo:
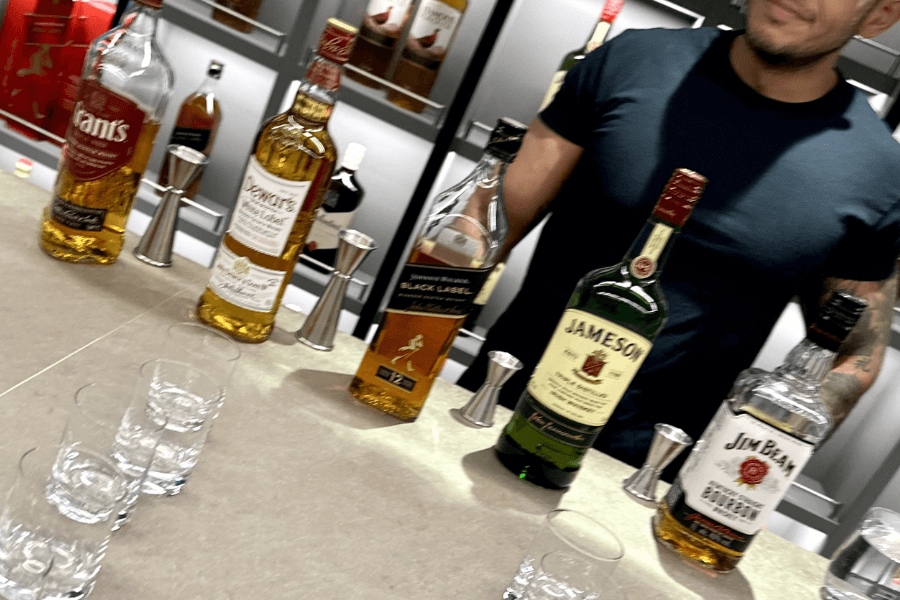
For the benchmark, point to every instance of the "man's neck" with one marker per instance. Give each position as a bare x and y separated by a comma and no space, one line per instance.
784,82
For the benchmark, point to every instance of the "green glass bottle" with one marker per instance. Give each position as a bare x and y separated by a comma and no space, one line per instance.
600,343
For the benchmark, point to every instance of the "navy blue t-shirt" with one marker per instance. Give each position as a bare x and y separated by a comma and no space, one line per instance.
796,192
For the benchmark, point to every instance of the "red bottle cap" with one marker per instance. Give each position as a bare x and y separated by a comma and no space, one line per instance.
337,41
611,10
679,197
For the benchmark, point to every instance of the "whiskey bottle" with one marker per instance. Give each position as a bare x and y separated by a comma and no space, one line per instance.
610,12
452,256
427,44
284,183
126,83
196,124
601,341
381,27
341,202
483,296
754,448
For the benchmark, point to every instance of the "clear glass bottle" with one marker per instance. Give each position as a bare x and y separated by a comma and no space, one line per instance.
754,448
451,259
283,186
601,341
125,86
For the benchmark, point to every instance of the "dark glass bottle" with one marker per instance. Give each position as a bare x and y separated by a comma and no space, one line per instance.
600,343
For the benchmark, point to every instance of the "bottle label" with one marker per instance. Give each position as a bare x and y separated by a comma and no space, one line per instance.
599,35
432,31
103,134
385,19
324,74
572,435
488,288
438,291
337,41
323,235
77,217
236,279
267,207
555,84
645,264
196,139
735,477
587,367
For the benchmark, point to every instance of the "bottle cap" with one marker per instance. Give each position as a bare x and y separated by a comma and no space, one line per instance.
679,197
506,138
611,10
353,156
836,319
337,41
215,69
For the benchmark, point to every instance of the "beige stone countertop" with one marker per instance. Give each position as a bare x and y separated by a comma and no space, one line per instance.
301,492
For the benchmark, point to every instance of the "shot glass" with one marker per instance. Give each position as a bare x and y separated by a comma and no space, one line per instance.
577,535
91,477
566,576
43,552
189,399
867,564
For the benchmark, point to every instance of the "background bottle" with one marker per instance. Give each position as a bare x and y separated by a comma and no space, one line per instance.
197,123
754,448
284,184
610,12
483,296
427,44
247,8
126,83
381,27
600,343
452,257
338,208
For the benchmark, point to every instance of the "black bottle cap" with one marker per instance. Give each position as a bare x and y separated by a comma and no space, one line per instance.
506,138
836,319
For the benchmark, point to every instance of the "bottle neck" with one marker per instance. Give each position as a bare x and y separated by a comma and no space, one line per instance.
598,36
315,99
141,19
648,254
209,86
806,365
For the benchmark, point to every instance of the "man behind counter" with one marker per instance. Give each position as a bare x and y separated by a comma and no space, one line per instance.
803,198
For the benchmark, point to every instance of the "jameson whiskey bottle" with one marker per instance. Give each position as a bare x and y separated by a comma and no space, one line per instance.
338,209
610,12
754,448
378,34
197,123
430,37
125,85
284,184
601,341
458,246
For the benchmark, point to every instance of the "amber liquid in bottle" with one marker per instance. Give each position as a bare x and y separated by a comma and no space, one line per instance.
247,8
381,27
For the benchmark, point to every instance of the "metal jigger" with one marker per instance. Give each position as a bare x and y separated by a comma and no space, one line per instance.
319,328
668,442
155,247
479,410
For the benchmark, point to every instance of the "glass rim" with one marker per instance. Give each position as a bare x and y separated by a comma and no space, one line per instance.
574,545
160,419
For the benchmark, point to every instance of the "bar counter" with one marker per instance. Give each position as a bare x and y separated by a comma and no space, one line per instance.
301,492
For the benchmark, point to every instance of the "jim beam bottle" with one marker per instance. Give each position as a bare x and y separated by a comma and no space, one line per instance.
754,448
381,27
283,186
452,257
126,83
602,339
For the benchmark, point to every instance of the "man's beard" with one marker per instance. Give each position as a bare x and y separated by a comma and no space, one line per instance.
786,57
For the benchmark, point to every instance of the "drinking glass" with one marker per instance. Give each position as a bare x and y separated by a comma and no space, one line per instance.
566,576
91,477
867,565
574,533
43,552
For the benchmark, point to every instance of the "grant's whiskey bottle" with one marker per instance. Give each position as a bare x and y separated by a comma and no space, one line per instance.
125,85
378,34
197,124
452,256
282,188
754,448
610,12
600,343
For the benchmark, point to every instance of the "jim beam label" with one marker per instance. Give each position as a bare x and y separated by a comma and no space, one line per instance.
735,477
266,210
587,367
437,291
242,283
646,262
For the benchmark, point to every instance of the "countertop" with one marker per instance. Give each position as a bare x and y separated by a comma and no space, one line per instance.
301,492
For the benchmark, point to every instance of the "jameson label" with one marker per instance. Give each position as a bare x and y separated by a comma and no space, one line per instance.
196,139
77,217
587,367
438,291
645,264
267,207
735,477
599,34
432,31
571,434
236,279
103,134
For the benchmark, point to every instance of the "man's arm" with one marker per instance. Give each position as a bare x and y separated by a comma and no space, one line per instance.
543,163
860,356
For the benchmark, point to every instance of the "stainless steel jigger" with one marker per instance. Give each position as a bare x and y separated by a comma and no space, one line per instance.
479,410
668,442
155,247
319,328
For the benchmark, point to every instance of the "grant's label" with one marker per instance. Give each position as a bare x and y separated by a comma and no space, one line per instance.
267,207
247,285
587,367
77,217
735,477
437,291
